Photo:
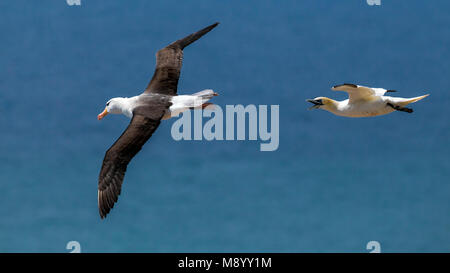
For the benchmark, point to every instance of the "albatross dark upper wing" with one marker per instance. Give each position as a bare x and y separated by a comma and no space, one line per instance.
120,154
168,64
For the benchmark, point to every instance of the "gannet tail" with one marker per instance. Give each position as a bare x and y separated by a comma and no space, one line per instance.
405,102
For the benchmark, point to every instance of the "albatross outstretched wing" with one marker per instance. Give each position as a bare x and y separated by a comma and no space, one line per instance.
168,64
120,154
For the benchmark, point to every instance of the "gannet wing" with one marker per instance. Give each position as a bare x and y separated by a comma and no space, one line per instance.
356,92
144,122
382,91
168,64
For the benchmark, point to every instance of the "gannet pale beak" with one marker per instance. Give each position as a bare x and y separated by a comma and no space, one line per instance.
102,114
317,104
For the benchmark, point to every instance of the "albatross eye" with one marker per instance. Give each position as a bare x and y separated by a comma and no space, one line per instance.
107,104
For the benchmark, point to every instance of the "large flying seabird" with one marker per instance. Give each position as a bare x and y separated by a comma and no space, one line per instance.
363,102
159,101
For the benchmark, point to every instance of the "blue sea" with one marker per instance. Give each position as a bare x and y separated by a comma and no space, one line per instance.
333,185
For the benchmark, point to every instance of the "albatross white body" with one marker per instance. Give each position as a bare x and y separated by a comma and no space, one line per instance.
180,104
363,102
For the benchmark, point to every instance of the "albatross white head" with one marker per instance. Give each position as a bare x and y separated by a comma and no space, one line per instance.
115,106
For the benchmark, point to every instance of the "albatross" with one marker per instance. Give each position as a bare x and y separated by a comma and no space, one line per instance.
363,101
159,101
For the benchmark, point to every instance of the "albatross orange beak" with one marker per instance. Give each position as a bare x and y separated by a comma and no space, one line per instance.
102,114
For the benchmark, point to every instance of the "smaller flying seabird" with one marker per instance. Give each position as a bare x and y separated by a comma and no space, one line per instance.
159,101
363,102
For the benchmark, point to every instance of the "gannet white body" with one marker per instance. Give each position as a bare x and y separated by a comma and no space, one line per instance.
363,102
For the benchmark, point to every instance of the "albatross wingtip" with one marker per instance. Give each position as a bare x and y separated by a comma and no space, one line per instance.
194,36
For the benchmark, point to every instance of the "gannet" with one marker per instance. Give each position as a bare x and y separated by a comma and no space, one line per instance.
363,102
158,101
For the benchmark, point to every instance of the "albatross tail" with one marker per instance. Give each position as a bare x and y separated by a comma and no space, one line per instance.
197,100
205,94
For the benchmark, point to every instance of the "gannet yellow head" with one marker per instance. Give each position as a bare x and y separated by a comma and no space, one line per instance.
113,106
322,103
